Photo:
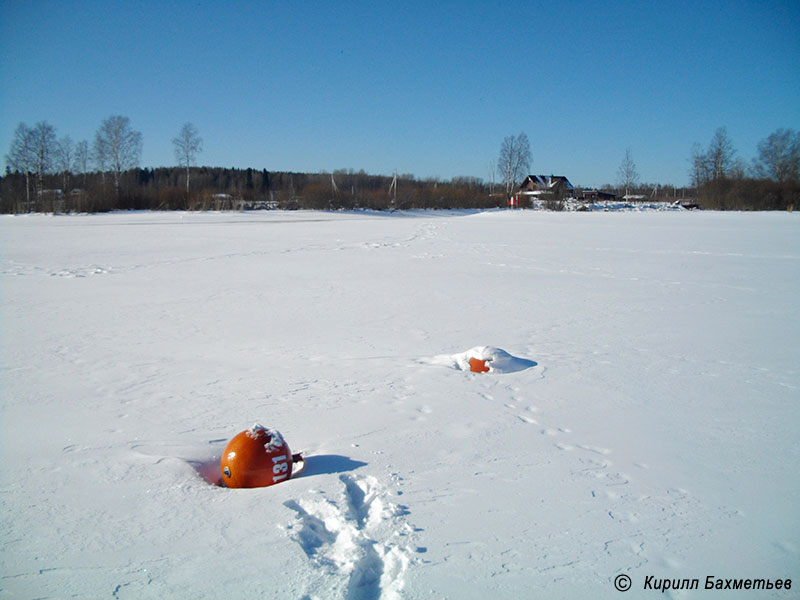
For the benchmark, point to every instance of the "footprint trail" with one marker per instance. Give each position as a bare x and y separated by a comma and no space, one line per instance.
361,538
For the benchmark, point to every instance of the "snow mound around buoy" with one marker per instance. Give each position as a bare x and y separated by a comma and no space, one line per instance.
496,359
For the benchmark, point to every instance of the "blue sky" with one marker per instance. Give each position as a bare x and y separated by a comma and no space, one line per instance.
428,88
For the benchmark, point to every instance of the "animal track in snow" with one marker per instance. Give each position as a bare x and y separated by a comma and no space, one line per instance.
362,537
552,432
787,546
15,268
595,449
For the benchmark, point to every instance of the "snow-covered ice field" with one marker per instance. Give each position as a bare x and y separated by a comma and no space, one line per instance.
642,416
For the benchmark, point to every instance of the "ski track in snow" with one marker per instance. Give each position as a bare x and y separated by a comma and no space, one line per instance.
360,539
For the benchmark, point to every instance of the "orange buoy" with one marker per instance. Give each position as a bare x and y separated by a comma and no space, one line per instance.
257,457
476,365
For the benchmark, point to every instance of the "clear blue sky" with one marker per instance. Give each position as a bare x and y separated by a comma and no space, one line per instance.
429,88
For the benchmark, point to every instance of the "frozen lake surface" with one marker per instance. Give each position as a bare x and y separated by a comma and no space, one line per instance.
641,415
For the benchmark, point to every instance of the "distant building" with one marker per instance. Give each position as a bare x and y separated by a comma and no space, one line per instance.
536,189
596,195
546,185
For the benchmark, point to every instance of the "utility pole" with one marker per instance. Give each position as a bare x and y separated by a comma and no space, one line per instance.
393,190
334,193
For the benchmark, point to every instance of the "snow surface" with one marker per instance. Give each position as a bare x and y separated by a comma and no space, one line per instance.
640,418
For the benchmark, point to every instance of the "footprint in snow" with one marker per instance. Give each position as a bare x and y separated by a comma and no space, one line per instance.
362,537
595,449
525,419
553,432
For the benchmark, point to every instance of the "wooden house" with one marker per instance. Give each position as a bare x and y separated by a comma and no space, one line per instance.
546,187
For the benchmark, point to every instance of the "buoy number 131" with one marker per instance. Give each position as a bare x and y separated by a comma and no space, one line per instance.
280,468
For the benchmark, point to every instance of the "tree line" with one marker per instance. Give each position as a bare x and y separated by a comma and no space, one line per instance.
725,181
47,173
217,188
721,180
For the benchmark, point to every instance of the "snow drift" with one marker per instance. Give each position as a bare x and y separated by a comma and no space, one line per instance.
497,360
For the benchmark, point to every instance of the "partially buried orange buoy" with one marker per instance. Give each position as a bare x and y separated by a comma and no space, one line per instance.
476,365
257,457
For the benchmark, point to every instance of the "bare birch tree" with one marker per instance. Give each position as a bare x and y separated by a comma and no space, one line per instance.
187,146
117,146
779,156
627,176
700,172
721,154
81,164
717,162
21,157
514,160
43,136
65,154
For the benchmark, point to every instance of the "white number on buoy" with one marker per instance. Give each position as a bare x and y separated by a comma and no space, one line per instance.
280,468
